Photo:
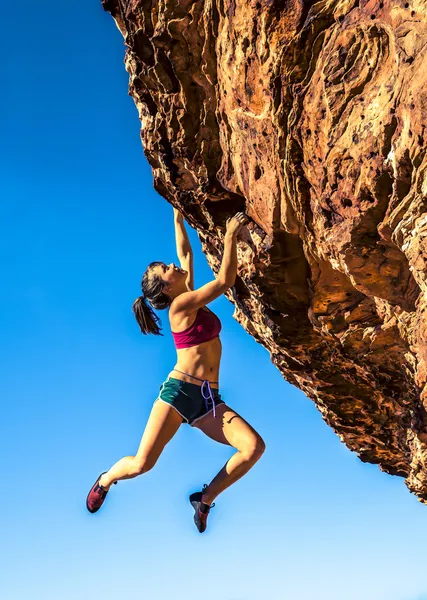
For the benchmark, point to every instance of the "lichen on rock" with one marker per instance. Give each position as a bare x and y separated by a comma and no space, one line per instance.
311,117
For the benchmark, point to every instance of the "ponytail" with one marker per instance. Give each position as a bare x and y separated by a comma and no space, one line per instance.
152,290
147,319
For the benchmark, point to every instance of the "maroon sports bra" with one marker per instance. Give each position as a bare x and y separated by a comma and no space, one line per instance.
205,328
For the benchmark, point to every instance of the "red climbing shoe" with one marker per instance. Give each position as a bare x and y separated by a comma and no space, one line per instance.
201,510
96,496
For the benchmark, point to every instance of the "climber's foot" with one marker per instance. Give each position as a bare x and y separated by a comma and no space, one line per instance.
201,510
96,496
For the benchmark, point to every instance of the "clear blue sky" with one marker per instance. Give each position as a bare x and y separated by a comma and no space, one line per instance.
79,223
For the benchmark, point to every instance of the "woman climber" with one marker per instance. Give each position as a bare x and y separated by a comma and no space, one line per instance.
190,393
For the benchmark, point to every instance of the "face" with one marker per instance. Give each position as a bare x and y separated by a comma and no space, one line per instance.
171,274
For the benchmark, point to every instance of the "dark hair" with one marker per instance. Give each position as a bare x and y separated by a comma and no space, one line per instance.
152,290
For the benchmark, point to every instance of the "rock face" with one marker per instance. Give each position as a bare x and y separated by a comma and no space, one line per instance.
312,118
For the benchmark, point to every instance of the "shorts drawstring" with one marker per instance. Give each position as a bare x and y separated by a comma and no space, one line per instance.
209,395
206,385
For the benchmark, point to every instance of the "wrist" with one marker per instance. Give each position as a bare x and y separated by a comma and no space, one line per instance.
230,235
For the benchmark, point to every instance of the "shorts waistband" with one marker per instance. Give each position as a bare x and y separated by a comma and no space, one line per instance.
194,377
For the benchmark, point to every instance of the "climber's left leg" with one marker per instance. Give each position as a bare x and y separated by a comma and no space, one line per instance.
230,428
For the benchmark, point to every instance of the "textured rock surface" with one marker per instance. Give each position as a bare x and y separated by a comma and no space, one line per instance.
312,118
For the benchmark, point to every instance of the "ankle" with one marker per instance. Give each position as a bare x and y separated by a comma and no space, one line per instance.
206,499
103,482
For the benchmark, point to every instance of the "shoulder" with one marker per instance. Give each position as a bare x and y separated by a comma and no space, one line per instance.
180,318
180,304
179,310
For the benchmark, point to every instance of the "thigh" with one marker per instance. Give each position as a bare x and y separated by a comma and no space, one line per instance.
228,427
162,425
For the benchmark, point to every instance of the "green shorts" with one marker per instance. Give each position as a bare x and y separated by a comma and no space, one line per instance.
187,399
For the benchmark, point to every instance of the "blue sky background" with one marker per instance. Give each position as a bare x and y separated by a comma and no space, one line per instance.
79,223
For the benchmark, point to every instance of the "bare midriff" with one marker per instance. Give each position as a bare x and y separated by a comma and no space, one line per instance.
201,361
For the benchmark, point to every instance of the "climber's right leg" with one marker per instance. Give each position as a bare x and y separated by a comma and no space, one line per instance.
163,423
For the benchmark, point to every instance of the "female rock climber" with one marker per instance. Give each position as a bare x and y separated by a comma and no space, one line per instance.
190,393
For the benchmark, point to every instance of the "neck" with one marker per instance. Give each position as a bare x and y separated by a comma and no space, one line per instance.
179,291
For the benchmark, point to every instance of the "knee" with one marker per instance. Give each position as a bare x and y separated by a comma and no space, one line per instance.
141,464
254,449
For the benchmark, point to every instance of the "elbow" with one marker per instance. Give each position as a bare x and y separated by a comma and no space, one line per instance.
226,282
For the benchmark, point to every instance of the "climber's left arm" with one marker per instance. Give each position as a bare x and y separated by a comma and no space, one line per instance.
183,248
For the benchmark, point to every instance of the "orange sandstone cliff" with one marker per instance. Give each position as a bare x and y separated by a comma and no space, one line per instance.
311,117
